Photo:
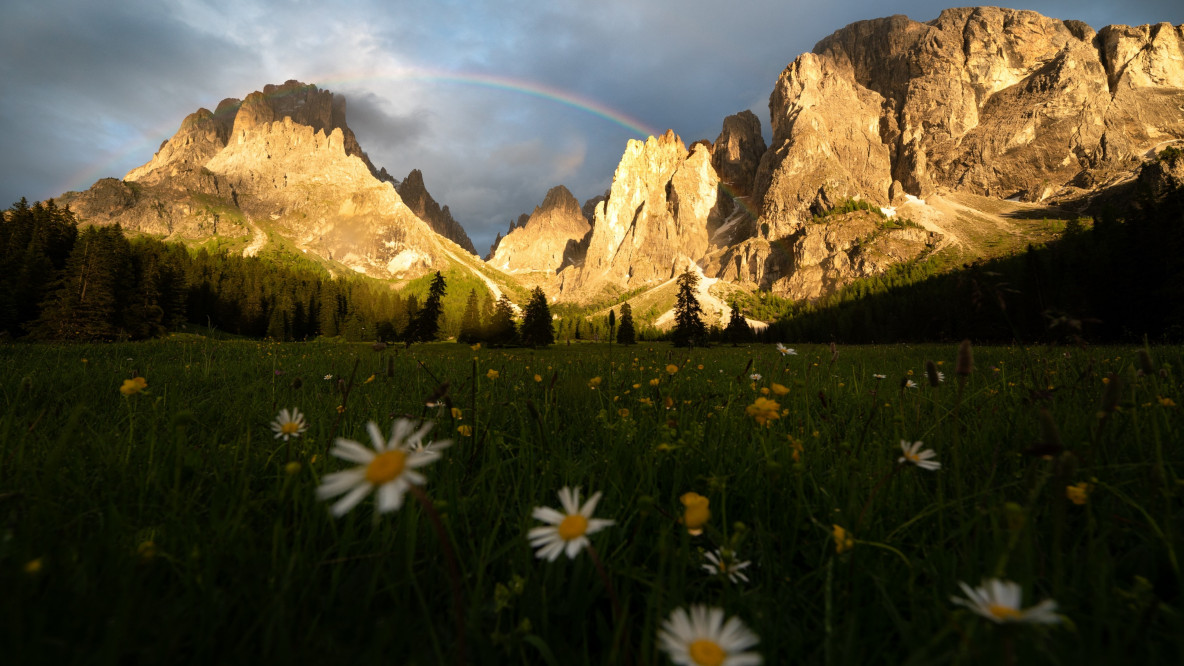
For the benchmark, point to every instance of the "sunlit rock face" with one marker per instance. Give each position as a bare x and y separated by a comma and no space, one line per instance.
997,102
661,209
282,160
546,240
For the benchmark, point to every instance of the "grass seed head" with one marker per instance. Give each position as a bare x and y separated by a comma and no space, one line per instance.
965,361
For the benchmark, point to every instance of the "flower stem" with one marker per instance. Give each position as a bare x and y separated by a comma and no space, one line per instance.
458,599
618,615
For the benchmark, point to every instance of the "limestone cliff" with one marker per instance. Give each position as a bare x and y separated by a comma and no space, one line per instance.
544,240
661,209
990,101
415,194
282,161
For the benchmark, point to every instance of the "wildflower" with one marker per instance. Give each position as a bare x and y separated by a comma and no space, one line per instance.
457,413
567,530
1079,493
779,389
133,386
786,351
289,424
999,601
465,430
914,454
655,381
723,562
593,383
702,638
491,373
764,410
843,540
328,377
1166,402
668,403
623,413
671,369
33,567
796,445
908,383
538,378
369,379
696,514
646,401
756,376
879,376
388,470
475,347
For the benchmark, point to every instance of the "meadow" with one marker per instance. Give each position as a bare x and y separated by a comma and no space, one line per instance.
167,523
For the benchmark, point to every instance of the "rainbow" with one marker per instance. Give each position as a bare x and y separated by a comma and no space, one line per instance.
148,141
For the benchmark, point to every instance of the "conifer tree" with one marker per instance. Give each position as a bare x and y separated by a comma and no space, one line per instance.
470,324
502,330
689,329
536,323
626,334
737,330
425,325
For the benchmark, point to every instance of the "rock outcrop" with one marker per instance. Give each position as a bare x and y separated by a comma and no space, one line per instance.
283,160
995,102
737,152
662,207
545,240
415,194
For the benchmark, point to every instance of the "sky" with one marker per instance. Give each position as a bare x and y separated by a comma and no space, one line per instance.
495,102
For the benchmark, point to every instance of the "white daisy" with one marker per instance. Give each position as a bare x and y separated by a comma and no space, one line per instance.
327,377
702,638
388,469
908,383
999,601
566,530
756,376
289,424
786,351
879,376
725,564
941,376
914,454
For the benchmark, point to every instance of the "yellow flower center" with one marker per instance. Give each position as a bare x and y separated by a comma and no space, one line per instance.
706,652
912,456
1003,612
386,467
290,428
573,527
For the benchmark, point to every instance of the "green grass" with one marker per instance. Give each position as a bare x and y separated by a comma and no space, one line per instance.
167,527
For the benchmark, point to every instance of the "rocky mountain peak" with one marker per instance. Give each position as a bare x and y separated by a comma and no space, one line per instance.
737,151
546,240
415,195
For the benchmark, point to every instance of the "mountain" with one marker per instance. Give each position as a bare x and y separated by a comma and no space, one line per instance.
417,198
281,168
546,240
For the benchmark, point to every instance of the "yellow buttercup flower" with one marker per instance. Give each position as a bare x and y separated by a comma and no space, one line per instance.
457,413
465,430
779,389
594,382
697,512
764,410
491,373
671,369
655,381
1079,493
133,386
538,378
843,540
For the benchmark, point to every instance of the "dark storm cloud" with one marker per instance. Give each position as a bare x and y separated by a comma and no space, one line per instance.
89,83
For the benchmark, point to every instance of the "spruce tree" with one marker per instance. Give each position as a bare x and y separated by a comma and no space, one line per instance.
536,323
470,323
502,330
689,329
626,334
426,324
737,330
